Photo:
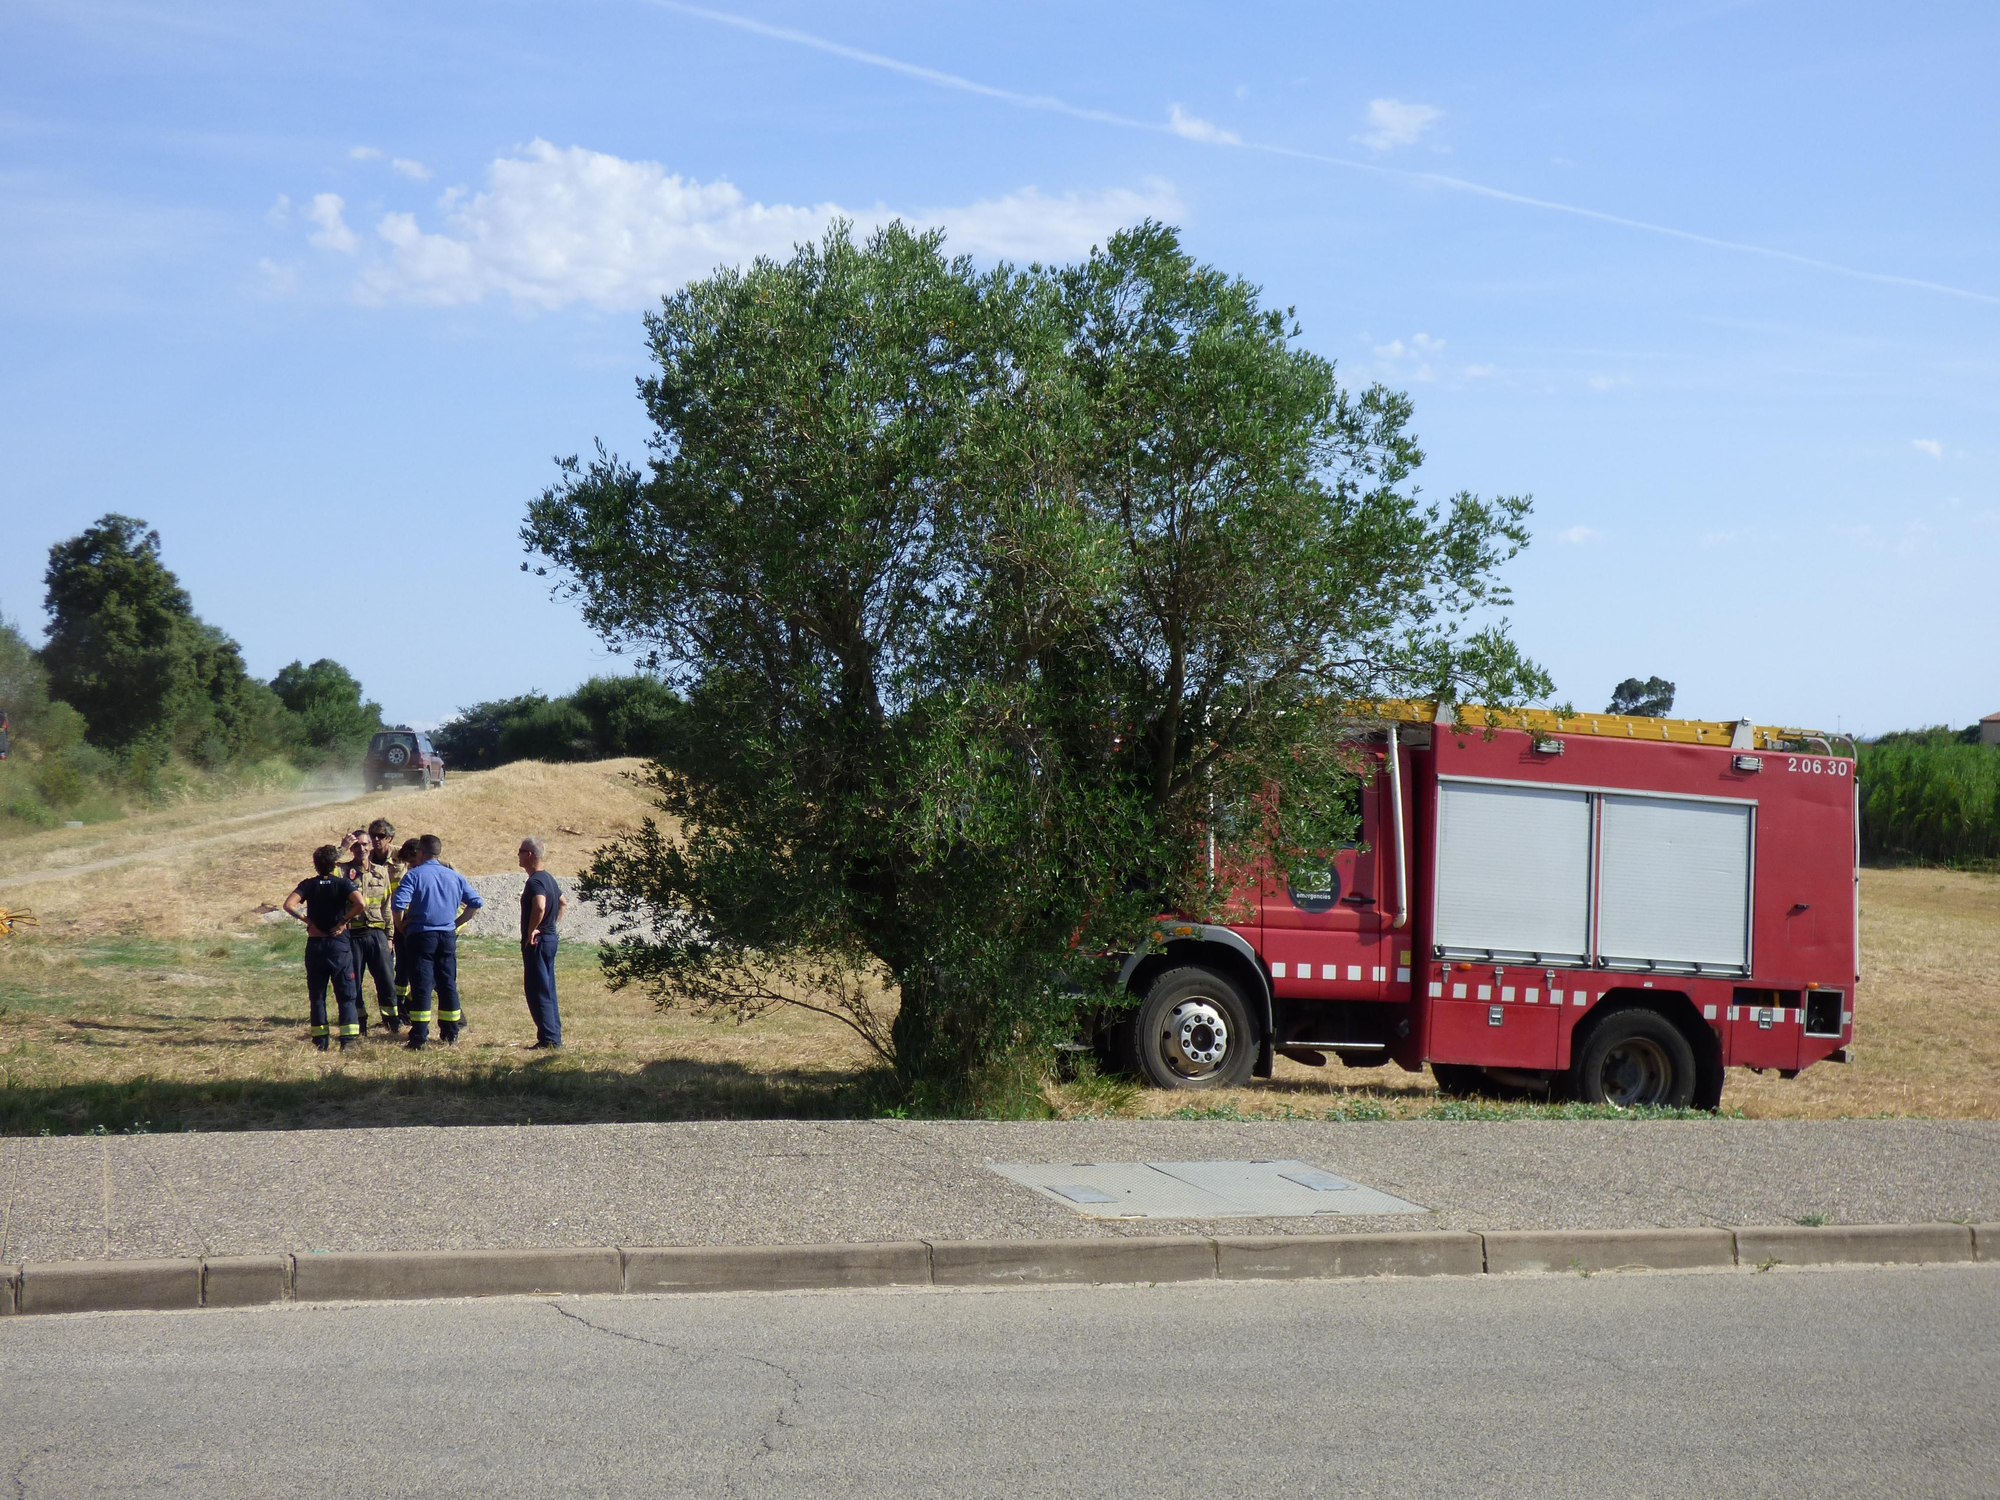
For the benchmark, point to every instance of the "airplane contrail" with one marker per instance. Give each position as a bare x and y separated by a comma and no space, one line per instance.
1223,141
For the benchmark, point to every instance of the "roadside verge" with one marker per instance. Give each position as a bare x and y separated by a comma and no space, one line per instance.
39,1288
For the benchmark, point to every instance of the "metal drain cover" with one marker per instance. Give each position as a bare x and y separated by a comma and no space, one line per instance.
1200,1189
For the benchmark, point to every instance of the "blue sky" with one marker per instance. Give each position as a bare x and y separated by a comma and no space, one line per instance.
320,290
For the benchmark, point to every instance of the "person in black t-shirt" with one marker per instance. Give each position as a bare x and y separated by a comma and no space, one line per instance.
326,904
542,904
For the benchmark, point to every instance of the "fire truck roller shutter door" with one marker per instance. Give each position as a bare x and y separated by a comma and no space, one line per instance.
1513,872
1674,890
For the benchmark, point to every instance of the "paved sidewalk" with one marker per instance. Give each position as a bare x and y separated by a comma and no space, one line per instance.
791,1182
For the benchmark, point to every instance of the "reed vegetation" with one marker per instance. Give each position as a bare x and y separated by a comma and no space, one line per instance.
1930,798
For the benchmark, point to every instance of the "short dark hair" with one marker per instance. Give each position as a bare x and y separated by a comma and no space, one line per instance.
325,857
432,845
410,850
382,828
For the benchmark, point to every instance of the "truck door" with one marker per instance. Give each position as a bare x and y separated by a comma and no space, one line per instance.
1325,934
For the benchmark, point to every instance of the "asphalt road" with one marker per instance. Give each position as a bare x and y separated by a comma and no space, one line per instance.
1861,1382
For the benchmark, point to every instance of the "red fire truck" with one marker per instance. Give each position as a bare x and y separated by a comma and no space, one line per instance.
1612,908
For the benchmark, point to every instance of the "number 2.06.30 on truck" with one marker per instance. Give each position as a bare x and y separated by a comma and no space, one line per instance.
1616,909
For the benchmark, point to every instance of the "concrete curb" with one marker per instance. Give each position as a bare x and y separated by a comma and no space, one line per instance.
372,1275
1301,1257
1608,1249
777,1268
1838,1244
388,1275
1006,1262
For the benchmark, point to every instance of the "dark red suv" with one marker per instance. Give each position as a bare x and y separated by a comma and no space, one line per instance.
402,756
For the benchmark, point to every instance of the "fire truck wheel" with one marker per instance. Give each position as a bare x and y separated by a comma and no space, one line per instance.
1192,1031
1636,1057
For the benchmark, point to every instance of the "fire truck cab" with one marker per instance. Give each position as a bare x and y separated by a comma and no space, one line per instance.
1616,909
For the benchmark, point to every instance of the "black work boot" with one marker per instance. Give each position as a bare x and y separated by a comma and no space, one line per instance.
320,1042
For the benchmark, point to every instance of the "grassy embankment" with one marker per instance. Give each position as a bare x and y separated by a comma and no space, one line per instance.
154,998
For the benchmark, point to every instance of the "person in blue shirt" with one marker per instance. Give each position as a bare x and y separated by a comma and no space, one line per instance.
431,903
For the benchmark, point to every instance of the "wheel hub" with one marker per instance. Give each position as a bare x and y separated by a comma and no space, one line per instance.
1636,1072
1197,1038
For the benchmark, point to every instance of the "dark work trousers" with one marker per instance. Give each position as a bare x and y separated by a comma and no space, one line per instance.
330,960
371,958
538,978
433,969
399,947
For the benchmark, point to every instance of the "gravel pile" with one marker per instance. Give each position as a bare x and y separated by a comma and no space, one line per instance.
500,917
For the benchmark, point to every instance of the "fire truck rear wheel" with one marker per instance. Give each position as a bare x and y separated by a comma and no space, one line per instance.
1635,1058
1193,1031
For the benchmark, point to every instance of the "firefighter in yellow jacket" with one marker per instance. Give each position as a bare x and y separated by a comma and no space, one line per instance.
372,865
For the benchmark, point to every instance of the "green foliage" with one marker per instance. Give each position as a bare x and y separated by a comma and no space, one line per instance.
127,651
1930,796
636,715
51,775
553,730
987,591
606,718
1651,699
24,685
326,717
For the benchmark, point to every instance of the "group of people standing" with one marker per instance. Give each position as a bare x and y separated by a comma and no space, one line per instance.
393,912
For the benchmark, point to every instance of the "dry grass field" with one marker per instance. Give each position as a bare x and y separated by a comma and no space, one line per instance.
153,997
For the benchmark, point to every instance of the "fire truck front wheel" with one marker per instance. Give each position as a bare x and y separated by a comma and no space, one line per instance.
1633,1058
1193,1031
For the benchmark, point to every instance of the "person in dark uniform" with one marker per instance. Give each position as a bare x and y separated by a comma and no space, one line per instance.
542,903
431,903
326,904
371,865
405,861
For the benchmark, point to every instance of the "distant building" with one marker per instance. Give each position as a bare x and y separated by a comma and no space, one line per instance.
1989,730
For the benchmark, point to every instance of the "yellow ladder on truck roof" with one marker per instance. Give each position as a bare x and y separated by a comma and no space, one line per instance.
1738,734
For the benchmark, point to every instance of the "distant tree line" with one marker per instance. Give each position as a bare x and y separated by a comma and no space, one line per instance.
134,693
605,718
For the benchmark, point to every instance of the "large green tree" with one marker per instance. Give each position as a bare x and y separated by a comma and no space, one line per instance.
126,649
327,716
993,595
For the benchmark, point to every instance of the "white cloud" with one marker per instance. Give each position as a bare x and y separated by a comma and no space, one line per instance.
1609,382
280,211
364,153
1411,361
1580,536
1392,123
1928,445
554,226
1477,372
1717,538
412,169
1196,129
333,233
1029,225
274,281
